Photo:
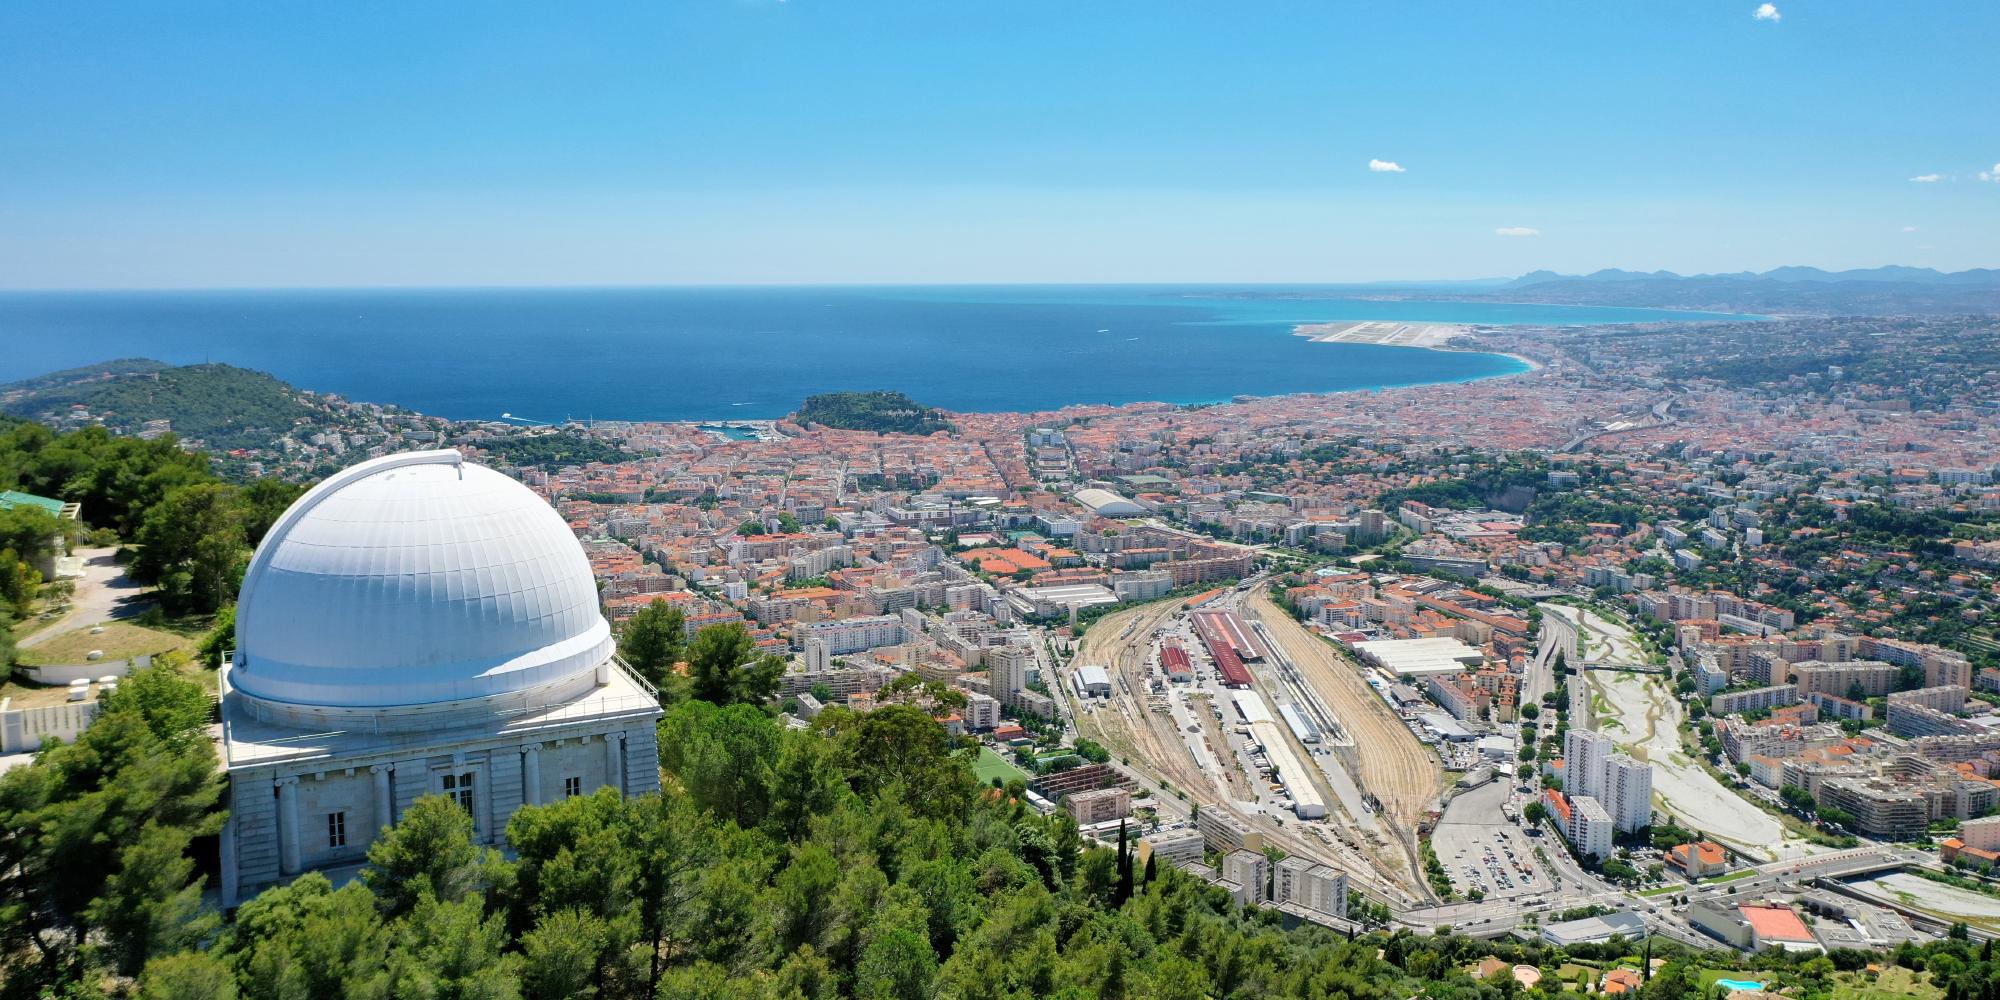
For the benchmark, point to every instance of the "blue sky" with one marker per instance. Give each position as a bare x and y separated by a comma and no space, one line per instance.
749,141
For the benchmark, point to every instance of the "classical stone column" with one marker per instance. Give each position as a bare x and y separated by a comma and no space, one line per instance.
531,774
288,825
385,797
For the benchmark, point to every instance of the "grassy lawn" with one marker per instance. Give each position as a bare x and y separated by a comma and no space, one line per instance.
1893,982
1574,973
991,765
1732,876
119,640
30,625
1662,890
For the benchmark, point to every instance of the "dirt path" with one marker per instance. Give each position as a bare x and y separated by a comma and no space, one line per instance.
103,593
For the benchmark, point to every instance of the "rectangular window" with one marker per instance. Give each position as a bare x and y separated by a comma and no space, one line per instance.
572,787
459,787
336,829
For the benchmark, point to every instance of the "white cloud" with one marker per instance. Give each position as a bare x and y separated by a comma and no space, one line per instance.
1517,231
1766,12
1991,175
1909,229
1386,167
1928,178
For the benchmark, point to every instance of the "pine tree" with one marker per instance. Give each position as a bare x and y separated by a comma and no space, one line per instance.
1124,868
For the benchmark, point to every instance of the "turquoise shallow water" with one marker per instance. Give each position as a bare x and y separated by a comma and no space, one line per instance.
741,353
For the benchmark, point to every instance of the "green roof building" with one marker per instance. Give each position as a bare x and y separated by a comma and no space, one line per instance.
10,499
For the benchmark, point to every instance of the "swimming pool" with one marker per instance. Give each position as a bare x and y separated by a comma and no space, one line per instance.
1739,984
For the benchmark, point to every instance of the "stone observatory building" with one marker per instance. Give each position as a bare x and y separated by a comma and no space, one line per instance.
417,625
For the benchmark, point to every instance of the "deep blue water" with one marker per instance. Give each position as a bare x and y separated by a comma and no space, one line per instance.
740,353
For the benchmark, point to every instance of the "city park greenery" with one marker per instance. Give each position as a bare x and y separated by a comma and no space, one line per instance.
881,411
551,449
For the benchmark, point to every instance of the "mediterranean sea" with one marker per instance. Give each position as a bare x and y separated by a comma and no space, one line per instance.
755,353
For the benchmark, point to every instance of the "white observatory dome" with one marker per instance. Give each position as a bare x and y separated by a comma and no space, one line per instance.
416,582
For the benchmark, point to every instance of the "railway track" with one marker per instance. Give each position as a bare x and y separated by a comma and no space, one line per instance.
1396,768
1152,744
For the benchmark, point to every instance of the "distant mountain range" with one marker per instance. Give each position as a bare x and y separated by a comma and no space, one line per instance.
1808,290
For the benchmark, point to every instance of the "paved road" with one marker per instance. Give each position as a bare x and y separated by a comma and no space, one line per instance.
103,593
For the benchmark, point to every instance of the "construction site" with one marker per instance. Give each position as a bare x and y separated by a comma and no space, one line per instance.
1228,704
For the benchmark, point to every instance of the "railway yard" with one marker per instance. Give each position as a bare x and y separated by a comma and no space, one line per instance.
1264,722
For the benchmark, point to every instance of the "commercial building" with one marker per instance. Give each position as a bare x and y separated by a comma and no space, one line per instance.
1064,599
1141,586
1406,657
416,625
1227,643
1596,930
1098,805
1753,927
1105,503
1092,681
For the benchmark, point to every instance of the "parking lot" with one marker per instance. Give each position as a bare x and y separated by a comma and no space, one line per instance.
1482,850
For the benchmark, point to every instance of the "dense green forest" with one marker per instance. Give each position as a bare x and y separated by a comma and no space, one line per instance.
880,411
190,533
551,450
224,406
857,858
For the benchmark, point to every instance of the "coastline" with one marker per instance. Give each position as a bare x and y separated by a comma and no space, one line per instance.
1442,337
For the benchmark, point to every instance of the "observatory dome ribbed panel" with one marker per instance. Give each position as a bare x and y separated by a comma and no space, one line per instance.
416,579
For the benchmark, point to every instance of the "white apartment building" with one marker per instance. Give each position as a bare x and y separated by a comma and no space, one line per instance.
818,656
1008,669
1627,793
982,712
855,635
1590,827
1310,884
1584,754
1249,869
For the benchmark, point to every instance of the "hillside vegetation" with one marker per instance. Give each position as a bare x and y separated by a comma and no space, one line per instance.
881,411
222,406
552,450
